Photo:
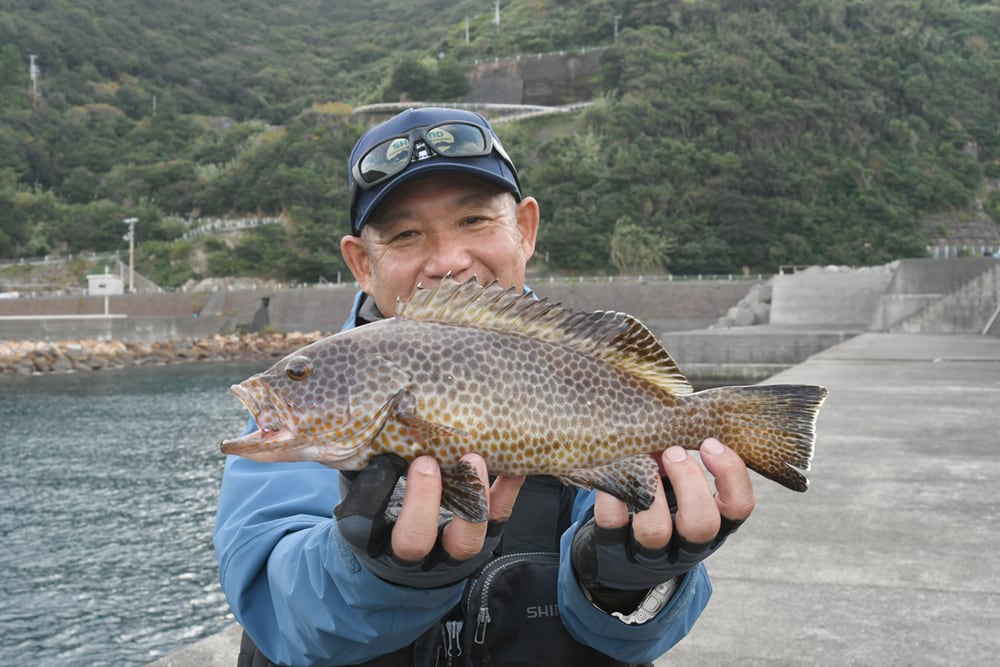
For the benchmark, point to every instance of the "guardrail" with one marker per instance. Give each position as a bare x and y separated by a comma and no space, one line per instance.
51,260
654,278
513,111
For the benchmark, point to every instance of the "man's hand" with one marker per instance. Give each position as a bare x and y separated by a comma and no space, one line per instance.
684,525
416,530
414,550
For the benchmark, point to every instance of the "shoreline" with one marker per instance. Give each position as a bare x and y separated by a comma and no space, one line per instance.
27,358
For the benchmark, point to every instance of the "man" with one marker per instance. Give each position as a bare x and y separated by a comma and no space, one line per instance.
434,193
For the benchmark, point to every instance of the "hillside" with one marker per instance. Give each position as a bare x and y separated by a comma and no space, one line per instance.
725,135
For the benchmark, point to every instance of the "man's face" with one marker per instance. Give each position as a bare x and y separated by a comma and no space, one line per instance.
440,224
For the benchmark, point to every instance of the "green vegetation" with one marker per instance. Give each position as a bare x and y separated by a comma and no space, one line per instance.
727,134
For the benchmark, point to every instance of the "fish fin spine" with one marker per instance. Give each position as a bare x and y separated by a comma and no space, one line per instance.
618,338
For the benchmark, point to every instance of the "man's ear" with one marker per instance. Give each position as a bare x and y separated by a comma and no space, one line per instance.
527,224
356,255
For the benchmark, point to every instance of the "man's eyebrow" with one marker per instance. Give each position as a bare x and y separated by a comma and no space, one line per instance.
387,218
476,197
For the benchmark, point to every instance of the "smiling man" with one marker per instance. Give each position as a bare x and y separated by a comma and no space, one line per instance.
382,580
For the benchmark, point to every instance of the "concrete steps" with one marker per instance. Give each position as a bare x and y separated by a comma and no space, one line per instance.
968,309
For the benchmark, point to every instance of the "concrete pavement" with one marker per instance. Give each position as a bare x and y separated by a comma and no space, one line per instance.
891,557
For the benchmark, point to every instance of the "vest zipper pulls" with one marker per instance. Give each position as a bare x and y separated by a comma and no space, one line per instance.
453,640
482,620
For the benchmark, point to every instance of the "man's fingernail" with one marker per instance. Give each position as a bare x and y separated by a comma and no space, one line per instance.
676,454
713,446
424,466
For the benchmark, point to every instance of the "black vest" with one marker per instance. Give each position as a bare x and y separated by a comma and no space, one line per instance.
542,513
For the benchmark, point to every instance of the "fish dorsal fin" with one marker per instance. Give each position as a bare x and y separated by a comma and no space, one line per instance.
619,339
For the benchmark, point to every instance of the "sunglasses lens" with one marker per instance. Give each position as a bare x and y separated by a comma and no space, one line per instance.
457,139
392,156
386,159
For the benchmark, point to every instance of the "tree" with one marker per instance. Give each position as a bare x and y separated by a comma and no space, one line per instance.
13,68
410,81
449,80
638,250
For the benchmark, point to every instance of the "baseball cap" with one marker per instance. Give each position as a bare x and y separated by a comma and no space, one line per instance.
423,141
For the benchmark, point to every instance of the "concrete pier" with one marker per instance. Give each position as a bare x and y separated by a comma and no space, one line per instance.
891,557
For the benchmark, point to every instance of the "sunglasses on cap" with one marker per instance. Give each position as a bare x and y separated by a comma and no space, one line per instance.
453,139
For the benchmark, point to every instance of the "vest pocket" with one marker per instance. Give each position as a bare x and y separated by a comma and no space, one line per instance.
510,616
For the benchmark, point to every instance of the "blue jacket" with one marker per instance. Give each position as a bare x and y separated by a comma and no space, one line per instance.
305,599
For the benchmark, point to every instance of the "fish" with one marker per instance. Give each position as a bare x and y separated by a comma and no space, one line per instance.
532,386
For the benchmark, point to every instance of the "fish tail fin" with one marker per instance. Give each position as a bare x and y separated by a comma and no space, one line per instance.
772,428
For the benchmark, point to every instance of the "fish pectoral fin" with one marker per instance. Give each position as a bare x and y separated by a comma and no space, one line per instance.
632,480
424,431
418,428
461,490
463,493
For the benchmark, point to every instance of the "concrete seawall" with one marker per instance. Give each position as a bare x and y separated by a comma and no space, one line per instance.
808,311
661,303
165,318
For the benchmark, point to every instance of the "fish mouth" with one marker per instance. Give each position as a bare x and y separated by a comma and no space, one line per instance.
275,424
278,438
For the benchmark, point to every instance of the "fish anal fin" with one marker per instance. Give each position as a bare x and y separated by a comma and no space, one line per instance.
463,493
632,480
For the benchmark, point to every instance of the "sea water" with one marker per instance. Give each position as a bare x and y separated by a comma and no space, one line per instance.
108,488
109,485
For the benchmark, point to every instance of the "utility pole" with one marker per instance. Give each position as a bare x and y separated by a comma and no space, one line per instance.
466,28
33,72
616,28
131,253
496,14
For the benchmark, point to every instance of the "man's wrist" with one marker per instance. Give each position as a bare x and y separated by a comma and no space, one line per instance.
611,600
632,607
656,599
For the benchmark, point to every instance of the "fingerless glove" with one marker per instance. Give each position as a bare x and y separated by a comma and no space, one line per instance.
366,526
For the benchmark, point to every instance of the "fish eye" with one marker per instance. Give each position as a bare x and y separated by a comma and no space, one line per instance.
298,368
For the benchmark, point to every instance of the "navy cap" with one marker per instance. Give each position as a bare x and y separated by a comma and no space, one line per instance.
495,167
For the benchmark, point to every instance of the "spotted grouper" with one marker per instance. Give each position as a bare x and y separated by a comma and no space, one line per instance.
533,387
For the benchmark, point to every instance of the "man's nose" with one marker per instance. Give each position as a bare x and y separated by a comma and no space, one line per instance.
449,255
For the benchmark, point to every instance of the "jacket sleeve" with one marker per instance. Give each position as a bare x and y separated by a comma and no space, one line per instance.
628,643
294,584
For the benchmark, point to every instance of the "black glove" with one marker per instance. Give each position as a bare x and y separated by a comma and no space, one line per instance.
609,559
362,521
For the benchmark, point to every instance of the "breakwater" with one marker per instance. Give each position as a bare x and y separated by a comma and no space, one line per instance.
85,355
